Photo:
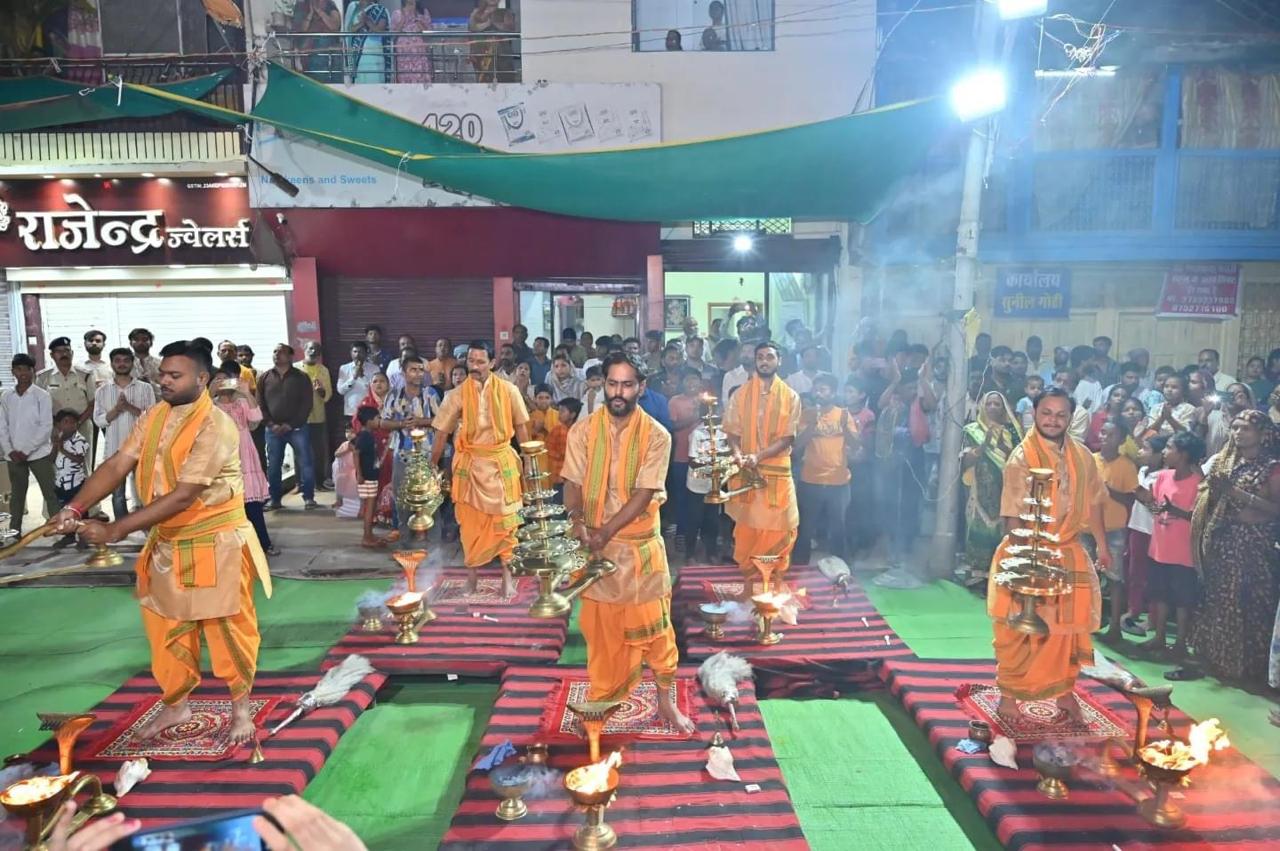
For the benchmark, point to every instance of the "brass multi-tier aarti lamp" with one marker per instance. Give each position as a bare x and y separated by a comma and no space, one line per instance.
422,487
715,461
546,551
1032,568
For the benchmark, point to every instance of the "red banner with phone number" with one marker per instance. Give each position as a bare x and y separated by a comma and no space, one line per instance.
1200,291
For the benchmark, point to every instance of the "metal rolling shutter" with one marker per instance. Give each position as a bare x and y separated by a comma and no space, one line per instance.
458,309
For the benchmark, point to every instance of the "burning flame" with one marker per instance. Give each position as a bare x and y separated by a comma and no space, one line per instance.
1203,739
408,598
772,599
594,778
35,790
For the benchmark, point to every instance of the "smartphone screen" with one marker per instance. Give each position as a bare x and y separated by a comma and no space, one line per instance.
232,832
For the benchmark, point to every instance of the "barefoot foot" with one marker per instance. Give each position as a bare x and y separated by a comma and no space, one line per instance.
1070,707
667,709
1007,708
241,722
473,581
169,716
508,582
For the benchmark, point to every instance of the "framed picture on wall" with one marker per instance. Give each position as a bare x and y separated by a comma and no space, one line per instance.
676,309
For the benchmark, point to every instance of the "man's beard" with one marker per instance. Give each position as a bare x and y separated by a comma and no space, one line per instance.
628,405
1057,438
766,371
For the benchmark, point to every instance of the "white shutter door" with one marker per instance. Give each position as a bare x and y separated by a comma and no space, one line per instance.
256,319
73,315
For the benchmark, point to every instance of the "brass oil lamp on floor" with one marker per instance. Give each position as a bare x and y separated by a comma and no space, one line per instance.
1168,762
594,787
1032,569
37,799
545,549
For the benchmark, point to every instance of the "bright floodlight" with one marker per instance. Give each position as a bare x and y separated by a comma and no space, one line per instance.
978,94
1013,9
742,243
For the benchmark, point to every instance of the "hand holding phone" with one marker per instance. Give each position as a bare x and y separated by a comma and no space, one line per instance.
236,831
305,827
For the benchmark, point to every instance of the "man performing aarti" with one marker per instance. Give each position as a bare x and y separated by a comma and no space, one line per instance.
196,571
761,424
483,414
1042,667
614,469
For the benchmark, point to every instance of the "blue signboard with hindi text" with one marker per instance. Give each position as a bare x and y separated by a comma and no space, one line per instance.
1029,293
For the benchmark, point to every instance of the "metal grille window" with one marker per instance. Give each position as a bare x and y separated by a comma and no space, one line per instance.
1093,193
701,25
1228,193
719,227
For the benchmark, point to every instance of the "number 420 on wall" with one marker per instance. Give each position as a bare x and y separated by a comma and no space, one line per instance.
468,127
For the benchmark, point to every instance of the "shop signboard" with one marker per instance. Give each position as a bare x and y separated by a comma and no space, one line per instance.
513,117
1200,291
1031,293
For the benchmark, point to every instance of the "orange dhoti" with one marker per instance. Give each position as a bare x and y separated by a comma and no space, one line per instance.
232,641
750,542
621,639
485,536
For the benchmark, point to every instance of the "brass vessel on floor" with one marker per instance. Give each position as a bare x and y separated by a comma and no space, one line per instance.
545,551
595,835
714,460
103,556
1032,568
593,715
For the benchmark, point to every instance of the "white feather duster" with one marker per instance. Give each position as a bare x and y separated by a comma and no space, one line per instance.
333,686
837,571
720,676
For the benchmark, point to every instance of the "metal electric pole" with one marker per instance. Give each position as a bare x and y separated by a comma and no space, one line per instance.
943,552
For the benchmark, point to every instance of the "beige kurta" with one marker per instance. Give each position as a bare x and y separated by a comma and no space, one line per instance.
627,585
214,462
756,512
485,490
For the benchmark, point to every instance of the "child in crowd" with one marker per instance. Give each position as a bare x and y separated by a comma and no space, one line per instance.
543,417
235,399
1120,477
69,450
1172,582
594,397
367,471
1141,521
567,410
1026,408
347,504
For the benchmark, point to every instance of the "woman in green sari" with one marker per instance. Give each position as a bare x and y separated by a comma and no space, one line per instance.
987,444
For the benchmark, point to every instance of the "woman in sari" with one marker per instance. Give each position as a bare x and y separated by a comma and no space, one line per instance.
379,387
987,443
413,52
491,57
367,56
1235,526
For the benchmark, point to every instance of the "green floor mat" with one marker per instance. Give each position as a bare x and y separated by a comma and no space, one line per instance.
858,767
397,775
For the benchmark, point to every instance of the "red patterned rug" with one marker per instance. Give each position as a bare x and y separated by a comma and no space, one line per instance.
488,593
203,738
1041,719
636,719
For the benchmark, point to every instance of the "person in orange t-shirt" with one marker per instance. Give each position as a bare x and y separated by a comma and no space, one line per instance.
1120,478
543,417
827,439
558,439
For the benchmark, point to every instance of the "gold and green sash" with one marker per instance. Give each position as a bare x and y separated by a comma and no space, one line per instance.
778,414
466,444
642,534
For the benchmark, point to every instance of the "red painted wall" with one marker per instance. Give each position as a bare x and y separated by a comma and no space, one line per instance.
445,242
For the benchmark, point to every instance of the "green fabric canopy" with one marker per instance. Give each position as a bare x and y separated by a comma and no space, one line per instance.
31,103
843,168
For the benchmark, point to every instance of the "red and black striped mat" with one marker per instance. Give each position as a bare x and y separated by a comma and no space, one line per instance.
184,790
467,640
1232,802
666,799
835,647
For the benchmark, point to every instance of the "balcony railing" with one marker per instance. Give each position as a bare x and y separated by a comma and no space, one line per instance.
448,56
178,136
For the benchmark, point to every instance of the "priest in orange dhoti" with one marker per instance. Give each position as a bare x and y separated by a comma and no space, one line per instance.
614,469
196,572
1040,667
761,424
485,411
